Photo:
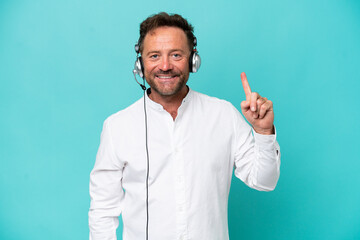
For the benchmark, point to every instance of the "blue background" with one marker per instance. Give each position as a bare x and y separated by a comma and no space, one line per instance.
66,65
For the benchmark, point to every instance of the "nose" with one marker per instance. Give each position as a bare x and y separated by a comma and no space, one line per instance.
165,64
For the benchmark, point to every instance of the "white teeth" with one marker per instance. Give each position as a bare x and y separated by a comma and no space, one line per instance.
164,77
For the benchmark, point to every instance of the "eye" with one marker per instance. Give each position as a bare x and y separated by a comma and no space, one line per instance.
154,56
177,56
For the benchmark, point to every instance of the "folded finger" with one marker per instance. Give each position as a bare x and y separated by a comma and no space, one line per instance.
267,106
253,101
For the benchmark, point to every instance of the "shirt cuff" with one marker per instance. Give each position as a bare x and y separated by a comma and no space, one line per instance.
265,142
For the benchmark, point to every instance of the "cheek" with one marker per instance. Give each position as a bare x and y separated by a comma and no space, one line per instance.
183,66
148,67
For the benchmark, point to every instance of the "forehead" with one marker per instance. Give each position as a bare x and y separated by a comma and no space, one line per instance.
165,37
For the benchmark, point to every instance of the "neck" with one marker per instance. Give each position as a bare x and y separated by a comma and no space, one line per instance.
171,103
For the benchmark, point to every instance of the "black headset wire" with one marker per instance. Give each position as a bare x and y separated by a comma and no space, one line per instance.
143,87
147,158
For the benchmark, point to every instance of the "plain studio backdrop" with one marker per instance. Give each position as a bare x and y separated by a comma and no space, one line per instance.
67,65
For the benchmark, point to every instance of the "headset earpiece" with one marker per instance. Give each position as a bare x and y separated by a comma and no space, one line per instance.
138,67
194,61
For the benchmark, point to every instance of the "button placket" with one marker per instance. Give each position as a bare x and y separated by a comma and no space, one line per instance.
180,186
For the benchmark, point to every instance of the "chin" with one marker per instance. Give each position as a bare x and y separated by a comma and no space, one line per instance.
168,91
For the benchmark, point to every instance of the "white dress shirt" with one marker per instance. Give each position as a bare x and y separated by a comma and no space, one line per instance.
191,165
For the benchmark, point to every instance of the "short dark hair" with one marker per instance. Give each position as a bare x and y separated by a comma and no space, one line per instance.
170,20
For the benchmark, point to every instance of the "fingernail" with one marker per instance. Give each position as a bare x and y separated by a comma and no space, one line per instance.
253,109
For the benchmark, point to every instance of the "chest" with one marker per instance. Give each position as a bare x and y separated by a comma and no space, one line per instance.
194,143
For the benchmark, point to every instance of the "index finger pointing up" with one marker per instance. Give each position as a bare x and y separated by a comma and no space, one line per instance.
246,86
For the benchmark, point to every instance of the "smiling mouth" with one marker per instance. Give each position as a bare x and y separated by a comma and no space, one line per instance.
166,77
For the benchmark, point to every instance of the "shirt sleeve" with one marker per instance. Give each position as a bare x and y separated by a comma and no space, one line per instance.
257,157
106,190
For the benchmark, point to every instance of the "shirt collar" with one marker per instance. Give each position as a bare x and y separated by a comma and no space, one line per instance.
159,107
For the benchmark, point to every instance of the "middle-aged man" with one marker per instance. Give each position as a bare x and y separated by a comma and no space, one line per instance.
193,143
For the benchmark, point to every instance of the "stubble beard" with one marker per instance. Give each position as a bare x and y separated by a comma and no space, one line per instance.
165,91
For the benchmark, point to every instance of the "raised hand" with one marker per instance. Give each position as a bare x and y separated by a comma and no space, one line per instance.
257,110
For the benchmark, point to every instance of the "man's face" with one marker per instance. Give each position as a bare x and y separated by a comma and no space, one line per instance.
166,60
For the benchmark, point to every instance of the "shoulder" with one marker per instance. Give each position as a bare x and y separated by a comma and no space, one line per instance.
127,115
213,102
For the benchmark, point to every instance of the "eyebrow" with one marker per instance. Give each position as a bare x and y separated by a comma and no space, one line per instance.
157,51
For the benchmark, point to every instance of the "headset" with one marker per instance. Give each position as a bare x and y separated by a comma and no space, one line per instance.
194,65
194,61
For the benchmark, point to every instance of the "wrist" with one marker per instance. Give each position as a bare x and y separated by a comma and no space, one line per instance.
265,131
